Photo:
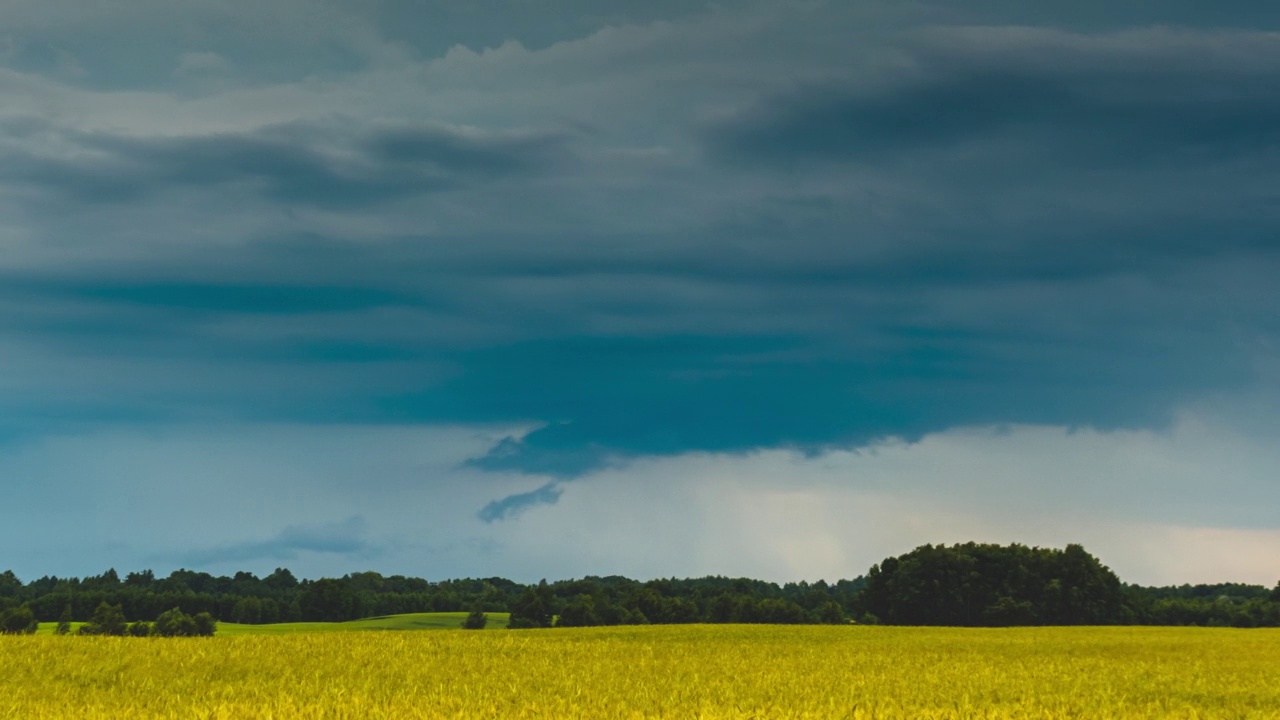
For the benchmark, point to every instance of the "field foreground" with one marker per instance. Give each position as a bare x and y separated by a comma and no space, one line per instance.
653,672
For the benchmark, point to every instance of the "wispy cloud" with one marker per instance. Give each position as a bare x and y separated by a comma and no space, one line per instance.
347,538
512,505
291,163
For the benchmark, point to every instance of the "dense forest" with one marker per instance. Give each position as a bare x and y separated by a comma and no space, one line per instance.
969,585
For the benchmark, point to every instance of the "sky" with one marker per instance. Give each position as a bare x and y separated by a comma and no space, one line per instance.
772,288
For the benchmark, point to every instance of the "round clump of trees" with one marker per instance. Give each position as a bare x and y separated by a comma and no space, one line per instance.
109,620
18,621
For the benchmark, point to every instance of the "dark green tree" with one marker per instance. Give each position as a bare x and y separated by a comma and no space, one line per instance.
107,619
777,611
247,611
610,613
205,623
830,613
142,579
650,602
280,581
626,617
18,621
10,585
327,601
581,612
139,629
174,623
532,609
683,610
475,620
64,621
108,580
722,609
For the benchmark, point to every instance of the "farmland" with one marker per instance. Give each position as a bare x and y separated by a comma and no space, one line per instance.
411,621
727,671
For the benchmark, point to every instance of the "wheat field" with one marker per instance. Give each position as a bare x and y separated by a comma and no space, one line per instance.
653,672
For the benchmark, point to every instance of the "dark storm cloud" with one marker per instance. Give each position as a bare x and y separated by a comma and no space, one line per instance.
293,164
1015,155
1119,102
994,224
1110,14
623,398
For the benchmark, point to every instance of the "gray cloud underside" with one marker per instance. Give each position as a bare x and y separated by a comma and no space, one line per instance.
732,230
286,164
347,538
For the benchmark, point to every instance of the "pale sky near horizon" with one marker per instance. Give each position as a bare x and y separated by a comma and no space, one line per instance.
774,288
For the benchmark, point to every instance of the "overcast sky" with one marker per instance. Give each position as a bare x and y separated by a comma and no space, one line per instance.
773,288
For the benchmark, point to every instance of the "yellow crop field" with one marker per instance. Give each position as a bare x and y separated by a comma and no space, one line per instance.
653,672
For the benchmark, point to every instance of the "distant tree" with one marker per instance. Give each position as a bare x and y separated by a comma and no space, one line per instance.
1006,611
327,601
10,585
683,610
64,621
635,617
532,609
206,625
830,613
777,611
1275,594
649,602
370,582
109,579
107,620
475,620
139,629
270,611
581,612
247,611
721,609
610,613
175,623
18,621
140,579
246,584
281,580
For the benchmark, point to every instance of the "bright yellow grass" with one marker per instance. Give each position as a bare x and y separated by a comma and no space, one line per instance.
653,672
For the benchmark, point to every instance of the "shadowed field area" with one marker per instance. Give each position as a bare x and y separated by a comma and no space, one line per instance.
411,621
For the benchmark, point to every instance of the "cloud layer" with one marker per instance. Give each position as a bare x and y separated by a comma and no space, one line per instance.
623,234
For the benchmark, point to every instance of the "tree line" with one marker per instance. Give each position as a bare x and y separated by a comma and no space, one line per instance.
968,585
109,619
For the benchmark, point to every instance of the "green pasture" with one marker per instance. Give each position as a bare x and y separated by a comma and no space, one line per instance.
412,621
47,628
